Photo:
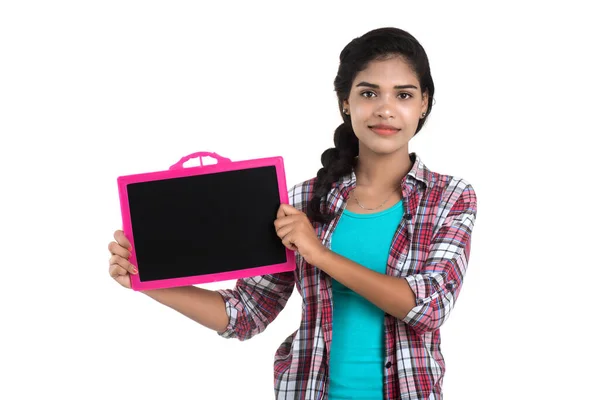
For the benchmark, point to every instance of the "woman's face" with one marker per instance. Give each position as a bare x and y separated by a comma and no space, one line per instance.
385,105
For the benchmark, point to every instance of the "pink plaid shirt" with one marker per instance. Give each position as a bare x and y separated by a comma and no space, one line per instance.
430,250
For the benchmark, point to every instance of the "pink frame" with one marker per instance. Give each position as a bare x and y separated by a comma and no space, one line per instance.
178,170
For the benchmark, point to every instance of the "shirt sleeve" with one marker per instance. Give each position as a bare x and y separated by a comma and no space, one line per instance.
437,287
256,301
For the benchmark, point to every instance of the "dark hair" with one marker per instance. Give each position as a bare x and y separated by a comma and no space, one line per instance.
378,44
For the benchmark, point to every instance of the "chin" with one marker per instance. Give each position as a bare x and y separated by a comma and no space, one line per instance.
385,150
384,145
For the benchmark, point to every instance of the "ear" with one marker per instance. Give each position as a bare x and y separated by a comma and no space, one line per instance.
425,101
345,104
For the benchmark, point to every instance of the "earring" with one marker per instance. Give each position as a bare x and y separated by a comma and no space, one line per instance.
345,111
423,115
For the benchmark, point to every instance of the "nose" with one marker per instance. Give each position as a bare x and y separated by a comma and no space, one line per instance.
385,108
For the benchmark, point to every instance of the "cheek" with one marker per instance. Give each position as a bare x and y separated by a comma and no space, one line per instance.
361,110
410,114
362,114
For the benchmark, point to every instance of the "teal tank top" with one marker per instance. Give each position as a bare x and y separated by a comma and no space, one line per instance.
357,356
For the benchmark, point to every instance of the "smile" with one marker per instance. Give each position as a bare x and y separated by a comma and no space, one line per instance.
384,131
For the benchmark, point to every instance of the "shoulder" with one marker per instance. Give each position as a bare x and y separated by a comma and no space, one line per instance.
453,195
450,186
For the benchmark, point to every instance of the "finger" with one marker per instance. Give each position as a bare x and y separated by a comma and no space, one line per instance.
288,241
281,222
116,270
284,230
286,220
280,212
121,276
290,246
123,263
116,248
122,240
290,210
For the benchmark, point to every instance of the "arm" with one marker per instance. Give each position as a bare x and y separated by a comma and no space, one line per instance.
392,294
437,287
424,300
239,313
254,303
201,305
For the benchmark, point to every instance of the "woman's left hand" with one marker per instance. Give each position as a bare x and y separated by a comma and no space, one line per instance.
298,234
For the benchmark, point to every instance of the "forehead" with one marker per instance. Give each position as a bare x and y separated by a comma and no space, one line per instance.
390,72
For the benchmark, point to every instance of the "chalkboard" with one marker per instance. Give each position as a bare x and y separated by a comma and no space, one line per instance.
205,224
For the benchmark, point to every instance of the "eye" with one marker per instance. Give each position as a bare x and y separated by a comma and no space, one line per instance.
367,92
406,94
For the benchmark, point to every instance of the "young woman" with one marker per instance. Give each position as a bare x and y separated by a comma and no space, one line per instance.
381,242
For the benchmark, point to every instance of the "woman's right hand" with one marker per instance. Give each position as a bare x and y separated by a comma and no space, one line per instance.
119,266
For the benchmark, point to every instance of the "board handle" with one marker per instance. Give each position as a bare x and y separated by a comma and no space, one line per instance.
199,155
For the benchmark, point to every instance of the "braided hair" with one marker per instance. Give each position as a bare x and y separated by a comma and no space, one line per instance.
378,44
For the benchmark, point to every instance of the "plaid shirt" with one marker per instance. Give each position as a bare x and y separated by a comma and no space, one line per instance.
430,250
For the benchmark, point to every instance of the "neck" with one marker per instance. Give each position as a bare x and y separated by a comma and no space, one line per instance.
382,173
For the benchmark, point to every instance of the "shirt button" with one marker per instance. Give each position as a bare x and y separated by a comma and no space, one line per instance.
448,286
388,365
408,216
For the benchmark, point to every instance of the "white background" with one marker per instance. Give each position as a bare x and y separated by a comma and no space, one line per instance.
92,90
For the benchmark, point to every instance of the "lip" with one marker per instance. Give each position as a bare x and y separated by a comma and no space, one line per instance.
385,130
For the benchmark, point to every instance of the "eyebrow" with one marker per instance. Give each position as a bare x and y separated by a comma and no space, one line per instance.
371,85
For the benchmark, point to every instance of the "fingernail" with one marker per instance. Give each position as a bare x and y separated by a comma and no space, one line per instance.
135,271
